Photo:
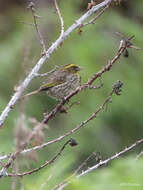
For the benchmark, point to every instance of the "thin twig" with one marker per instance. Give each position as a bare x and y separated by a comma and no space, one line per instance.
48,116
3,171
46,181
74,174
82,124
60,17
46,74
139,155
12,157
115,156
103,162
32,7
92,21
46,56
42,166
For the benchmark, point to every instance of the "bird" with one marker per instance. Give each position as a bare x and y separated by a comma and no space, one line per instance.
60,83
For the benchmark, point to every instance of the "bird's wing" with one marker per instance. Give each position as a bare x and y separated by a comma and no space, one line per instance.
46,86
55,79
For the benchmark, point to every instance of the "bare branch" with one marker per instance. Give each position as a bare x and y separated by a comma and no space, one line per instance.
115,156
139,155
123,45
60,17
46,56
65,181
46,74
32,7
92,21
103,163
82,124
122,48
116,87
44,165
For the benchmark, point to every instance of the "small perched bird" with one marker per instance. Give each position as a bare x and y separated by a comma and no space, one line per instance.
60,83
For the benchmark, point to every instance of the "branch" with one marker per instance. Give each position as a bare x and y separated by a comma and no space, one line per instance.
66,181
116,89
96,17
60,17
102,163
115,156
47,73
122,47
70,142
139,155
32,7
46,56
124,44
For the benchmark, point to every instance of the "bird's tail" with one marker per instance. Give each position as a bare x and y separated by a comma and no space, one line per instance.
30,94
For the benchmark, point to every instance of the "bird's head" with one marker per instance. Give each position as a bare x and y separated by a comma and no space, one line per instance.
72,68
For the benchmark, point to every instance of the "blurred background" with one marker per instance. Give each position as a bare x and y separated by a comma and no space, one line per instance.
118,126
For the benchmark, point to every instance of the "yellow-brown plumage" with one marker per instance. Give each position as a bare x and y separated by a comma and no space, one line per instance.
61,82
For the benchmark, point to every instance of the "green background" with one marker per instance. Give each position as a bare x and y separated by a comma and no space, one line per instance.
119,125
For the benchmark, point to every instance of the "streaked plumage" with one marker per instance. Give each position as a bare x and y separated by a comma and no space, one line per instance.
61,82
